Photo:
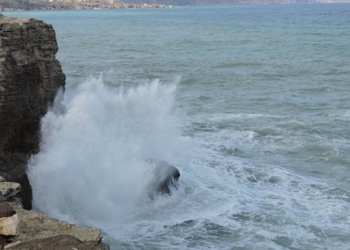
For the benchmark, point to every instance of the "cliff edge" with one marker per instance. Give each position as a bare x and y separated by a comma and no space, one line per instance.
30,76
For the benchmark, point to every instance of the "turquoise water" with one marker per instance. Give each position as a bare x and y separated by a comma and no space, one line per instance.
251,103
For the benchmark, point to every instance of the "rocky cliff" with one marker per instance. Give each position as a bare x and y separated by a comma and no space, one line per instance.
30,76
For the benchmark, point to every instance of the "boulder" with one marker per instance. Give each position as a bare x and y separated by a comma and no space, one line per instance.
30,76
165,176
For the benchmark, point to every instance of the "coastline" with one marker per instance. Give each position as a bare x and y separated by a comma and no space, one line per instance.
78,6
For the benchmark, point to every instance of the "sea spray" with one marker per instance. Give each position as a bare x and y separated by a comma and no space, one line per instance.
91,164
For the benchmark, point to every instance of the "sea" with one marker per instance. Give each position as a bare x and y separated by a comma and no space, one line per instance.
250,103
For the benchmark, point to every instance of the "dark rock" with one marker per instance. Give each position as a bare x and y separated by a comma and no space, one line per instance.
165,177
3,240
6,210
30,77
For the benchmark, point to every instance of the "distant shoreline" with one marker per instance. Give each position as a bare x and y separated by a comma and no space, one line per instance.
44,7
47,7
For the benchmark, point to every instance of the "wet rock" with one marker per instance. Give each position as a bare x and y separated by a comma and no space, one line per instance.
165,177
30,76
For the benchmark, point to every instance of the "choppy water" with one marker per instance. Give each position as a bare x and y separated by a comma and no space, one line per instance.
251,104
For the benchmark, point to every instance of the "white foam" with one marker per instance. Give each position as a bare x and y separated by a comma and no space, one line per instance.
91,164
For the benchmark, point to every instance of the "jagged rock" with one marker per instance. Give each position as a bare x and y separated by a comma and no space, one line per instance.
165,176
30,76
35,225
9,190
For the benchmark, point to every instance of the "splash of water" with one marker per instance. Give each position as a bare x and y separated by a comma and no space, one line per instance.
92,158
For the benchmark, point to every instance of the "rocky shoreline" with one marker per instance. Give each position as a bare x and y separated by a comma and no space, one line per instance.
32,230
30,76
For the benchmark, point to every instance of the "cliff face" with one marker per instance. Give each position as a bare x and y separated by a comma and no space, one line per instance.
30,76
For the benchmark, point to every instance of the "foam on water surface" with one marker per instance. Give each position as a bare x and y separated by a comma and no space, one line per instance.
92,171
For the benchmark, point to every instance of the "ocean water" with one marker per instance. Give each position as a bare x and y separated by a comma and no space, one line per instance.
250,103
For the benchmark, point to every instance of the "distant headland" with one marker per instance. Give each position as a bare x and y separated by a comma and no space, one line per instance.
18,5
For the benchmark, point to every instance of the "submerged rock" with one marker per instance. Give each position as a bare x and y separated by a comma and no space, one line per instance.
30,76
165,177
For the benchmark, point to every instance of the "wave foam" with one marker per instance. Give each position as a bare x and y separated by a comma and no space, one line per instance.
91,163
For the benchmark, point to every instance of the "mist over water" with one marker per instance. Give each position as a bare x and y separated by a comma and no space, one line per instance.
92,158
